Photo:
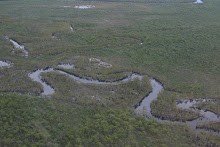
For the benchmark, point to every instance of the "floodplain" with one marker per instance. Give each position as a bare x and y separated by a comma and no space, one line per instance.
109,73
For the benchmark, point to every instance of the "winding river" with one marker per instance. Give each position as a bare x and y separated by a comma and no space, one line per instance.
143,107
205,115
48,90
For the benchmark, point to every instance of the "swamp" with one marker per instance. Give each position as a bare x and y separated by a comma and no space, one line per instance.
121,73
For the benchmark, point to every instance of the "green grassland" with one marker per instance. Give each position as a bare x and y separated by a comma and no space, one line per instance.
213,126
31,121
214,107
124,95
180,40
175,41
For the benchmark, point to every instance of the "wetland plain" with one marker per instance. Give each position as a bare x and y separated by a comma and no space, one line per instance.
109,73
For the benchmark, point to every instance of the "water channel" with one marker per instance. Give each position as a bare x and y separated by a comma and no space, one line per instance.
143,107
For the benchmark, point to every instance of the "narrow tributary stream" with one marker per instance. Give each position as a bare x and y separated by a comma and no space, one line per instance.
205,115
18,46
71,27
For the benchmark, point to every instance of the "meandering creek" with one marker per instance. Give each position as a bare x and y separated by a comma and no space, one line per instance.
191,105
205,115
48,90
143,107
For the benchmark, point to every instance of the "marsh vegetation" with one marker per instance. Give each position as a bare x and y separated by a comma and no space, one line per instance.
174,41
